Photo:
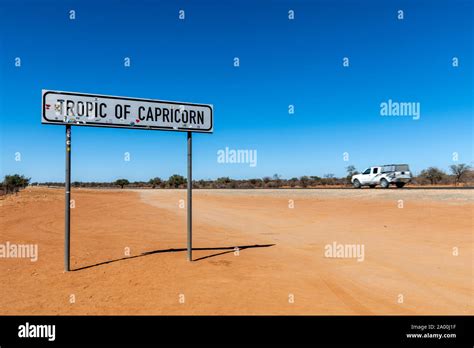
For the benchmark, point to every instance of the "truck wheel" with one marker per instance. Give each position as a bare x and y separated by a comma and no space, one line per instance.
400,184
384,183
356,184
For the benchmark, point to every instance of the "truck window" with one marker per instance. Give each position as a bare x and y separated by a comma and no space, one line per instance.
367,171
402,168
375,171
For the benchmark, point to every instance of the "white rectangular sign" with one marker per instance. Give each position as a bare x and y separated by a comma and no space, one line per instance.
122,112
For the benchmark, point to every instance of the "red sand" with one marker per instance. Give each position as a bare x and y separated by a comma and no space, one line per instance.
407,251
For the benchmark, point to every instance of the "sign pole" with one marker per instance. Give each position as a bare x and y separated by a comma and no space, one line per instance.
190,197
67,227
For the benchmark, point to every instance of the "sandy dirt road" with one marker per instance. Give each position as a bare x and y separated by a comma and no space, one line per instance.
281,267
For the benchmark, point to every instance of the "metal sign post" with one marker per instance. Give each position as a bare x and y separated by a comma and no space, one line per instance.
190,196
67,227
94,110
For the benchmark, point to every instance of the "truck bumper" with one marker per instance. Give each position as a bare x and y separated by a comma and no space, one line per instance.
404,180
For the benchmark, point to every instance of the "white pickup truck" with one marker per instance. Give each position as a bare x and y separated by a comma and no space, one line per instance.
397,174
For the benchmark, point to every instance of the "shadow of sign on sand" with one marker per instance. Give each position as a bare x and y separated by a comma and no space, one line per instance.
228,249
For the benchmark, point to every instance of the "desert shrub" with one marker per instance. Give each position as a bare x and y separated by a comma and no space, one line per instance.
13,183
433,175
155,182
175,181
460,172
121,182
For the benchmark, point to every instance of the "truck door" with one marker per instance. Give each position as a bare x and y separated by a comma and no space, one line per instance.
365,178
374,174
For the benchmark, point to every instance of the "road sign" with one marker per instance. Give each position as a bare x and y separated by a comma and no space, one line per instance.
80,109
70,108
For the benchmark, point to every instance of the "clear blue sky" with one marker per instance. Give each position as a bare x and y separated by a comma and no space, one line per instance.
282,62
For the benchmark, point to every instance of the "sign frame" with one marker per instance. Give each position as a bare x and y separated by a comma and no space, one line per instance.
68,143
45,120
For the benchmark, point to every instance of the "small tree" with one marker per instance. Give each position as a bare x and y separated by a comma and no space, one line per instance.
13,183
255,183
155,182
223,180
293,182
329,179
277,180
121,182
176,180
433,174
351,170
304,181
459,171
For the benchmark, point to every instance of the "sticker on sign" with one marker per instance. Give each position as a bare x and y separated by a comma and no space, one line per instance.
123,112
